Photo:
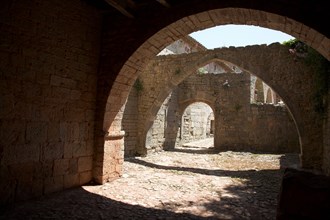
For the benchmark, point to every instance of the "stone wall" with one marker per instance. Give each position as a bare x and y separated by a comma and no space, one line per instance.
271,128
137,41
45,101
130,122
49,55
195,123
163,132
273,64
239,125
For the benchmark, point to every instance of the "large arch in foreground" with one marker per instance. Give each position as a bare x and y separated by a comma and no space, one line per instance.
116,78
273,64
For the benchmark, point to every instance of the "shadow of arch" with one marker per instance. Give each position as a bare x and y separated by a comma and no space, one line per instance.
113,90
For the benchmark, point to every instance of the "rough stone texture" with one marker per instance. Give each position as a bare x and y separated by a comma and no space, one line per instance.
48,66
239,125
49,57
190,184
235,118
130,123
138,52
164,131
196,122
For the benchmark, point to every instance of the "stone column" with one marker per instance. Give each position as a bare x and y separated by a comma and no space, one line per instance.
109,160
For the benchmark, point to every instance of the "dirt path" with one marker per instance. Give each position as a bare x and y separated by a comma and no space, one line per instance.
188,183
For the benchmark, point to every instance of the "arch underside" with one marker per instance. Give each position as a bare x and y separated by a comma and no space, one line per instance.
136,63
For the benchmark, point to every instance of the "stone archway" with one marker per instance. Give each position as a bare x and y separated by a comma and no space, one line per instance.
195,121
111,106
269,97
277,71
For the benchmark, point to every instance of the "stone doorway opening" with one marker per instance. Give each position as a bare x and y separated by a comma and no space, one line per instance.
197,126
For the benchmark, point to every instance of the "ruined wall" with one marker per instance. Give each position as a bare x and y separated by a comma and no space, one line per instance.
272,129
130,123
239,125
163,132
48,72
195,123
293,80
165,73
60,37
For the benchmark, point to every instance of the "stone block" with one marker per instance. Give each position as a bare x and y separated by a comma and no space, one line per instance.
64,131
12,131
61,167
62,81
53,151
44,169
79,149
36,132
85,177
27,153
59,95
68,150
73,166
53,132
53,184
89,148
85,164
71,180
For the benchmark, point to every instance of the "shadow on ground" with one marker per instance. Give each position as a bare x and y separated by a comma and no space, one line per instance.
253,197
254,194
194,150
80,204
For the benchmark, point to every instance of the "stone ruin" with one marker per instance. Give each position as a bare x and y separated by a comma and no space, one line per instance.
219,100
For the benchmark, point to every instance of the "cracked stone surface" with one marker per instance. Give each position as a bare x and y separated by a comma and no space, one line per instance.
193,182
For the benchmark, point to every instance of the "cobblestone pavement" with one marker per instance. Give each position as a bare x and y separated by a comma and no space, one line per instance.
187,183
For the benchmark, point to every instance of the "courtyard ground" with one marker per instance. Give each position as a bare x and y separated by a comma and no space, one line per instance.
193,182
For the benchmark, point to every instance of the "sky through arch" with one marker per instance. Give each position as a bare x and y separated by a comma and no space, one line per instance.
238,35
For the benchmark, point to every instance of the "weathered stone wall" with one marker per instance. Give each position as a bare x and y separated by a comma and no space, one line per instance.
139,40
272,129
163,132
48,71
130,123
238,124
280,71
65,34
195,123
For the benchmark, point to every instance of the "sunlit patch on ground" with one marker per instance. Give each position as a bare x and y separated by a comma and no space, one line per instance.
187,183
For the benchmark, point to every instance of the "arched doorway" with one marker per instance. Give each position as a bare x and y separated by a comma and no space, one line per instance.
197,123
119,90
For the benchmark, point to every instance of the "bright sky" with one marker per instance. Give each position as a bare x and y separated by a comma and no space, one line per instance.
238,35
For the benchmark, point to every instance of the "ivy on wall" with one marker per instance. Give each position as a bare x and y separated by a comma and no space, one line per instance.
138,85
321,67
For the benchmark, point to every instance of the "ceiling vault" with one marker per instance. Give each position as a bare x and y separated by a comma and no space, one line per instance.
122,6
130,8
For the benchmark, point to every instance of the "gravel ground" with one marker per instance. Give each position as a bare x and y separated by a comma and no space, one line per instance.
187,183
